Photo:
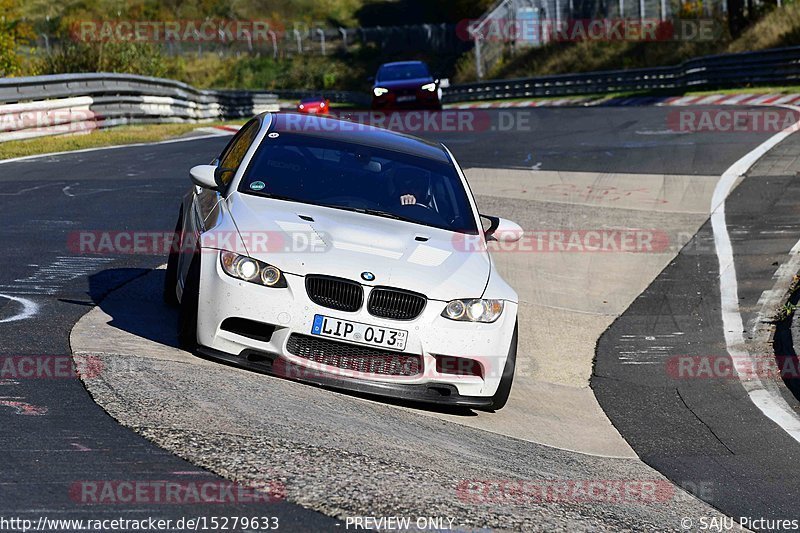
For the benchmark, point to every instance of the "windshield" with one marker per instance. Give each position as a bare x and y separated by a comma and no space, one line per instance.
354,177
402,72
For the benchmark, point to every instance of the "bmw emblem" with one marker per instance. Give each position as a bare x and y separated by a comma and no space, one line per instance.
367,276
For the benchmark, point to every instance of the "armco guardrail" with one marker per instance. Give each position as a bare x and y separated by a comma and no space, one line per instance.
70,103
341,97
775,66
49,105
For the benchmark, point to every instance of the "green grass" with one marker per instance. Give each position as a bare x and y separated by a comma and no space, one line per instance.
111,137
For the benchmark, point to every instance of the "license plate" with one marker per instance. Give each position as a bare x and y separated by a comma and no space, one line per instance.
336,328
406,98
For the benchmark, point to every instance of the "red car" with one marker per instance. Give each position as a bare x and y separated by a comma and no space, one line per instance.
405,84
314,106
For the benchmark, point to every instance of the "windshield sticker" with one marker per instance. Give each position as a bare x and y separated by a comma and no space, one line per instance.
257,185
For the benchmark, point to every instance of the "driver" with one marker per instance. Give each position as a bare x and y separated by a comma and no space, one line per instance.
413,185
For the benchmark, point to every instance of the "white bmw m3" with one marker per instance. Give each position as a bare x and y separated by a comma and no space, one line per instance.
347,256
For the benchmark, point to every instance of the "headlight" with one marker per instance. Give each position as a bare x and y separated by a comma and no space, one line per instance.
252,270
477,310
429,86
379,91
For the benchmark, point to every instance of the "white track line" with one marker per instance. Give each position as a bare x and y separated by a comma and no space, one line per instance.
112,147
774,407
29,308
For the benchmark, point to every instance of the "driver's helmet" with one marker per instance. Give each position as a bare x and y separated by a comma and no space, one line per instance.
413,180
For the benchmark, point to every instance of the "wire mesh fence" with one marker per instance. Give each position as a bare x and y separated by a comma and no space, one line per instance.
511,25
283,42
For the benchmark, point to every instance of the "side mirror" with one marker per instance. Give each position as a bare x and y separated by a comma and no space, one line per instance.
502,230
371,79
204,176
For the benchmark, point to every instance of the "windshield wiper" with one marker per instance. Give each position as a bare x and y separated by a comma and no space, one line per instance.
276,196
375,212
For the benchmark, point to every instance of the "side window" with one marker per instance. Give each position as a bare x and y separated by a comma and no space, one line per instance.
234,153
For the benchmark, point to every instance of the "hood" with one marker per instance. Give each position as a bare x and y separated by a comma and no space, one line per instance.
404,84
306,239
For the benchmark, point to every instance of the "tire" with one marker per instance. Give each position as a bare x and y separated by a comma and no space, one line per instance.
504,390
171,276
187,317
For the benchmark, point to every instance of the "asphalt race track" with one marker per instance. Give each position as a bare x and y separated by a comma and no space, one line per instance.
707,431
73,441
176,416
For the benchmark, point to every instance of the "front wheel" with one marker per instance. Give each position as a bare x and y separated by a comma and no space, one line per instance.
187,317
504,390
171,275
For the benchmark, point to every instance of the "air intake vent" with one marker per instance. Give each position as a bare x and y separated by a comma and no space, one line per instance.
395,303
339,294
353,357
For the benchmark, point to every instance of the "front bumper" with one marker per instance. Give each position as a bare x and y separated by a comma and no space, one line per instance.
289,311
441,394
422,100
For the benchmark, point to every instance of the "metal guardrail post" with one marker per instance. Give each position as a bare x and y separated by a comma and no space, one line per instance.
558,14
478,61
299,41
322,39
274,39
249,37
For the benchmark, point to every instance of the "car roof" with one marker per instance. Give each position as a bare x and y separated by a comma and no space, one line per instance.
356,133
312,99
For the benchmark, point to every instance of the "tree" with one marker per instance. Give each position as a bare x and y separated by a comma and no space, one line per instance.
13,33
736,19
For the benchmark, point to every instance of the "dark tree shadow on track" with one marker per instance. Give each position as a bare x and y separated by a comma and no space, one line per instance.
785,355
